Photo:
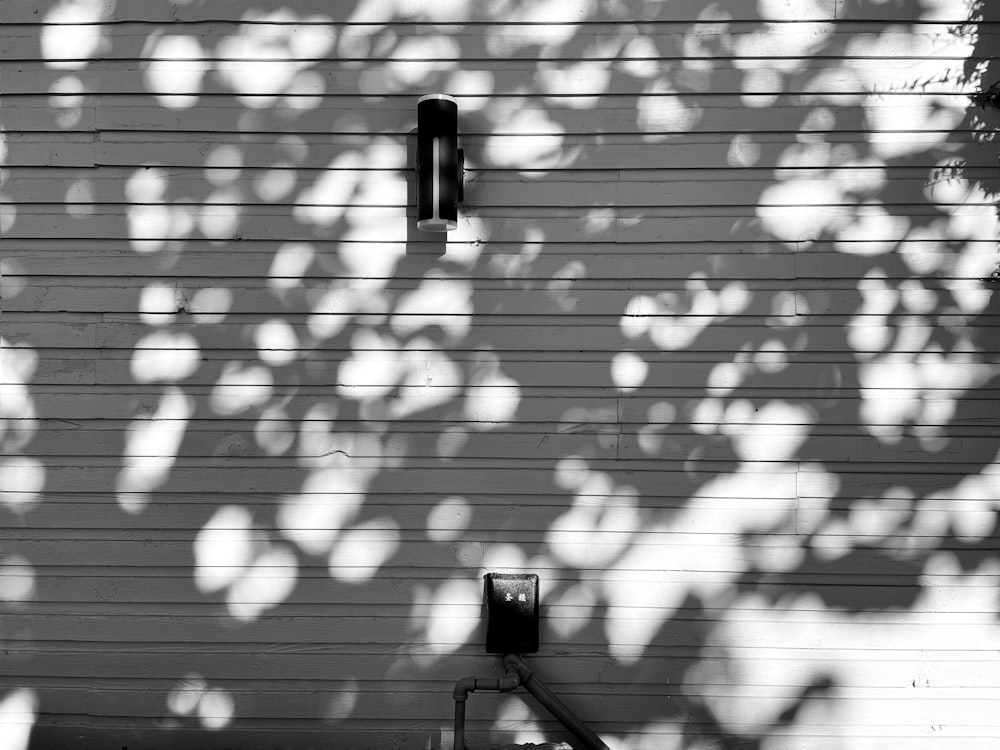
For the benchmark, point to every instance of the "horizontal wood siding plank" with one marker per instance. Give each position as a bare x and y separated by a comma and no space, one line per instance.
567,333
381,11
111,407
614,151
169,365
667,261
605,189
675,37
380,78
711,112
549,444
787,224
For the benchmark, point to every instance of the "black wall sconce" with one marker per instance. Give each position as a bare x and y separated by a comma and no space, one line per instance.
440,164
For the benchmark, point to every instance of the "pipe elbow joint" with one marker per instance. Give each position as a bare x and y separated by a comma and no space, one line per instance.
514,663
508,682
463,687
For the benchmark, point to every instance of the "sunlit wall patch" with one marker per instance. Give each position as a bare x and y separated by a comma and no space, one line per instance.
439,164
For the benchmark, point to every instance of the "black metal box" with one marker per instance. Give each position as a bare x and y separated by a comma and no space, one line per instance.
512,613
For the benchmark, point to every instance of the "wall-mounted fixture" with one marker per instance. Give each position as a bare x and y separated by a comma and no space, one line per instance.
512,613
512,629
440,164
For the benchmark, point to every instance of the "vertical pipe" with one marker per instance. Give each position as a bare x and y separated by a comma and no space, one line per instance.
459,724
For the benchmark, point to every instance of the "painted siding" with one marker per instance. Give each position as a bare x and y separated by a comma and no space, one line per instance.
709,352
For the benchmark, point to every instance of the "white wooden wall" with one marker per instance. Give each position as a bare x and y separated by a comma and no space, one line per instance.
709,353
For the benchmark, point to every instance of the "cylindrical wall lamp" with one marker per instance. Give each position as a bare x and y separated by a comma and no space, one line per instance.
439,164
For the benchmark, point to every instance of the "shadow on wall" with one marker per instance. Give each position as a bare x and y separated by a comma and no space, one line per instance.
708,352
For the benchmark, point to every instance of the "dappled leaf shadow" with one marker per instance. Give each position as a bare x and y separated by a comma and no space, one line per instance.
709,352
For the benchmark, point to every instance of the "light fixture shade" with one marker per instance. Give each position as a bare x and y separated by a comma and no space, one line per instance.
439,163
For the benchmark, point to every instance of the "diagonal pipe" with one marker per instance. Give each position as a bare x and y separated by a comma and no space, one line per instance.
584,734
518,673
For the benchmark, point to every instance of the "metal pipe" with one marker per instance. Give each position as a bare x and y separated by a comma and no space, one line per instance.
468,685
459,724
586,736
